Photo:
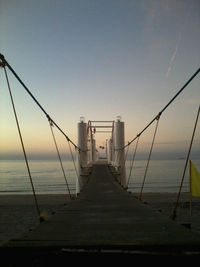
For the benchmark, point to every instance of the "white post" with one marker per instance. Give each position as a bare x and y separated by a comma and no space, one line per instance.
119,143
113,149
92,150
82,157
110,151
94,154
89,154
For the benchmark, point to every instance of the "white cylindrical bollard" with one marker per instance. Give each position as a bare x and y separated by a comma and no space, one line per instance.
82,157
120,151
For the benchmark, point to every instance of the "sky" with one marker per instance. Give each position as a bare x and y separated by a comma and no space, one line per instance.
99,59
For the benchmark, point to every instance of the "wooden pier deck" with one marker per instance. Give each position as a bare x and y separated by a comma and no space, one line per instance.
105,218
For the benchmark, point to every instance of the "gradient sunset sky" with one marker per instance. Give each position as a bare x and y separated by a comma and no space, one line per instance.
99,59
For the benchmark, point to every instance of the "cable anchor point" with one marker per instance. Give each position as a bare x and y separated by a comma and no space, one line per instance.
50,120
3,61
68,140
158,116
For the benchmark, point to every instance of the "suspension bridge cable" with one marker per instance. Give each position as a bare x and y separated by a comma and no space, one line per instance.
5,63
72,156
145,174
59,157
173,214
133,160
166,106
23,148
126,155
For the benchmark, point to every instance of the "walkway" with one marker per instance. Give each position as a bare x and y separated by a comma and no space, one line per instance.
105,217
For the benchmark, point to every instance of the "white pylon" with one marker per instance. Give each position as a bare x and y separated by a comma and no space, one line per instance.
119,150
83,154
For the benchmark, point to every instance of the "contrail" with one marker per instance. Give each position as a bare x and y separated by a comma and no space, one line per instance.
172,58
179,39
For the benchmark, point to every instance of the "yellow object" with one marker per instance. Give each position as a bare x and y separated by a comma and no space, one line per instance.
194,181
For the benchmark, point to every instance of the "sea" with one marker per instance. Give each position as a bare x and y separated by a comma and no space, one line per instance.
47,176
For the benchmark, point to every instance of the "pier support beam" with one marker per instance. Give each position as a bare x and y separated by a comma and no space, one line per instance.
82,157
120,151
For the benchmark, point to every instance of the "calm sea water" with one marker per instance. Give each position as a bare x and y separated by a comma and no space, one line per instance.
162,176
47,177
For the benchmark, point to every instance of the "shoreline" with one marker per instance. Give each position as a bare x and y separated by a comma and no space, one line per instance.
18,213
57,198
28,199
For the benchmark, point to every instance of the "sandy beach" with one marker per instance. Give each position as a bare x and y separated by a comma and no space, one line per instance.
18,213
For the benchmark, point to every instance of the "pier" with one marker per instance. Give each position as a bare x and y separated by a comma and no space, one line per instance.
105,218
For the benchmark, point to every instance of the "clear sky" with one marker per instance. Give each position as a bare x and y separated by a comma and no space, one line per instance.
99,59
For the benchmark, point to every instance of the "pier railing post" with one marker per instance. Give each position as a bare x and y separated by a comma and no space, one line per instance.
92,150
120,151
94,154
110,151
82,157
